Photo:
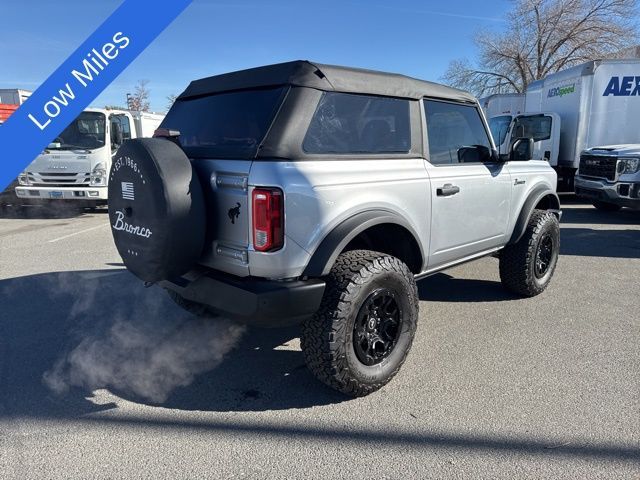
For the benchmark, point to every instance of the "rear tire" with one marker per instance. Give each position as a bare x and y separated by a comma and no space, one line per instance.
606,206
527,266
360,336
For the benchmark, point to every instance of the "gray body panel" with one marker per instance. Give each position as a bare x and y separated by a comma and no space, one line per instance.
320,195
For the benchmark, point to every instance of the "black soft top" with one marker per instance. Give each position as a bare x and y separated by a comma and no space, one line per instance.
303,73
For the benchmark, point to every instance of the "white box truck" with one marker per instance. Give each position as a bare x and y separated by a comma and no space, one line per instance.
596,104
500,109
75,166
503,104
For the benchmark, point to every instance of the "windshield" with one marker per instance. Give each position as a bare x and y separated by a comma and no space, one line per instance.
499,127
87,132
226,125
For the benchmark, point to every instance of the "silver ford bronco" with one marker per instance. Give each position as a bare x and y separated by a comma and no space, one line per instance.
316,194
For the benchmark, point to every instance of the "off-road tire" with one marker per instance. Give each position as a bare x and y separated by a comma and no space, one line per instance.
327,337
606,206
193,308
518,261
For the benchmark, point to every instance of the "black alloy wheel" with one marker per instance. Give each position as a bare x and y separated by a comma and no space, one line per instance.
544,255
377,327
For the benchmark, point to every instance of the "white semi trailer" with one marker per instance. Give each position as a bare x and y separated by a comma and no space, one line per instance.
503,104
75,166
596,104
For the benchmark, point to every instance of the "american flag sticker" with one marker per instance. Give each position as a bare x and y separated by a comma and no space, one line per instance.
127,191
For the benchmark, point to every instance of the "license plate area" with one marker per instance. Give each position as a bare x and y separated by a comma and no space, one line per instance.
55,194
585,192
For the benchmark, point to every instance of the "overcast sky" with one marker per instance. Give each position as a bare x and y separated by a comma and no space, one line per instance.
417,38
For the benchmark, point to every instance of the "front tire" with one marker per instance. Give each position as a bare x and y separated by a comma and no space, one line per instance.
527,266
360,336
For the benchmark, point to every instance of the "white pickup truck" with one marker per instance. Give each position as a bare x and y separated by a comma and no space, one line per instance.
75,166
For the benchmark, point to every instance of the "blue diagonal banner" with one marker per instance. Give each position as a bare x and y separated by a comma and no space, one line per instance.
80,79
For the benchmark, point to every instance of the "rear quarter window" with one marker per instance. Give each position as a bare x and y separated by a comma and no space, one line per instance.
358,124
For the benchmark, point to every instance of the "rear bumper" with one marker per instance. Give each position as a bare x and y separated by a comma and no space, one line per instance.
83,194
626,194
251,300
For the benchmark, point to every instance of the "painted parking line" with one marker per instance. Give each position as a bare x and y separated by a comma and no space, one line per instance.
78,233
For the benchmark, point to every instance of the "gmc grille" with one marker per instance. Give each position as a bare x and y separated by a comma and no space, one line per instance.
598,166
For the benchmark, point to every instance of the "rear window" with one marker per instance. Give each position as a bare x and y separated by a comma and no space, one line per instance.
359,124
226,125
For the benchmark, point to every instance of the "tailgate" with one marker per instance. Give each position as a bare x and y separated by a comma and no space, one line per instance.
225,185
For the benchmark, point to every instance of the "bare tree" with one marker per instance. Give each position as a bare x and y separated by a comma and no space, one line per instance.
170,100
115,107
543,37
139,101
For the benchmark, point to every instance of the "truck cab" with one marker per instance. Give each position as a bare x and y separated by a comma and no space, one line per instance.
543,128
75,166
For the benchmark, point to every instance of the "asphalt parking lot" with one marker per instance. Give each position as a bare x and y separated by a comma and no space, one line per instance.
102,378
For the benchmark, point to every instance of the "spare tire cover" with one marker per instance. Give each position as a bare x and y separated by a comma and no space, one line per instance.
156,209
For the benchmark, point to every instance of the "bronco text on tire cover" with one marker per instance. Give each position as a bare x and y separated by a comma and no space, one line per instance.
158,225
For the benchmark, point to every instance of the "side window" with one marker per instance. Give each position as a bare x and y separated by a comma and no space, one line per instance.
125,126
456,134
352,124
538,127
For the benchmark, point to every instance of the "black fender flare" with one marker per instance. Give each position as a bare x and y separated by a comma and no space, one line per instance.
535,195
335,241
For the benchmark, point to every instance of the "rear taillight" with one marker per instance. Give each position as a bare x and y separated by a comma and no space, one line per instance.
268,219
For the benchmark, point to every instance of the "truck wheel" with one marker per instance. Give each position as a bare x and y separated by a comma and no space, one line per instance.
193,308
606,206
527,266
360,336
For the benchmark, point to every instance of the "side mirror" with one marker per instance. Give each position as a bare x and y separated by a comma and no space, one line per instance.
476,154
116,134
521,149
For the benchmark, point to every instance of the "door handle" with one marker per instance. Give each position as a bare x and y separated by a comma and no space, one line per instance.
447,190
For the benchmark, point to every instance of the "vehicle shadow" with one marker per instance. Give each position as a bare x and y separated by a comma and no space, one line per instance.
600,243
38,212
593,216
442,287
53,318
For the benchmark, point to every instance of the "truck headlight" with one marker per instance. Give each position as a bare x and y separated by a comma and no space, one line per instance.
98,175
628,165
23,179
